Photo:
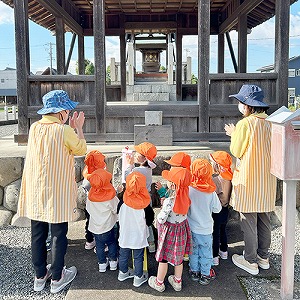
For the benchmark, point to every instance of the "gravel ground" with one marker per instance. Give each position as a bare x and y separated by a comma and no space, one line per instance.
17,274
16,280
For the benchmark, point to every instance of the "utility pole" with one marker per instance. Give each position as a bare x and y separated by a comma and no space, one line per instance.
51,59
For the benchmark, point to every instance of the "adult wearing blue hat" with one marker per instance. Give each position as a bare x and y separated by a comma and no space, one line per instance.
48,190
254,187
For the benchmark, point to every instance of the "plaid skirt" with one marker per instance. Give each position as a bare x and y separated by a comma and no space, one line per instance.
174,240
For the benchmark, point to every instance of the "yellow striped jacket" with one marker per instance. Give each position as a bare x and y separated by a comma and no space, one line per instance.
254,187
48,190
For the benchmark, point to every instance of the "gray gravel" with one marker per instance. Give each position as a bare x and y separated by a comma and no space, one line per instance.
16,280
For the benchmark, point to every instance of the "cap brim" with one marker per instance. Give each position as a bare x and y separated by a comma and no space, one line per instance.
226,175
52,110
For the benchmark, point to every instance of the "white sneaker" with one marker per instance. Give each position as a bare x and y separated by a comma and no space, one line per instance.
223,254
89,246
123,276
177,286
102,267
242,263
39,283
155,285
67,276
263,262
138,281
113,264
215,261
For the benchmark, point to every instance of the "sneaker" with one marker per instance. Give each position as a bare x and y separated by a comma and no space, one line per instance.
186,257
242,263
177,286
89,246
138,281
215,261
155,285
205,280
263,262
67,276
223,254
102,267
151,247
39,283
123,276
113,264
194,275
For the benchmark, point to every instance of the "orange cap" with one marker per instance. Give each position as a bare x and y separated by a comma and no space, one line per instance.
93,160
202,176
146,149
180,159
136,194
224,160
182,179
101,187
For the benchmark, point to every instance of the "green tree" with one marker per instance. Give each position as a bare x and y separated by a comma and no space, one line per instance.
108,79
89,67
194,79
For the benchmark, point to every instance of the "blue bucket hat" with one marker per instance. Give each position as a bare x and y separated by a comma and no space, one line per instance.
252,95
56,101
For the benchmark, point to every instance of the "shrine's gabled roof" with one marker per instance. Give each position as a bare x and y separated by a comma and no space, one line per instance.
78,14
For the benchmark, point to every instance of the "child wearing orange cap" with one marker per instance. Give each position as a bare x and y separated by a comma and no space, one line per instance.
221,162
94,160
144,155
174,236
179,159
134,221
204,202
102,206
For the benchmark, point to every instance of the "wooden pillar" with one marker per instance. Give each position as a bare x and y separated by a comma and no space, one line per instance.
221,52
22,62
100,63
203,63
242,44
282,21
60,45
81,64
123,63
179,66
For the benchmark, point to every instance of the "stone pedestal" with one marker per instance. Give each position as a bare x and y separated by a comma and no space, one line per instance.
159,135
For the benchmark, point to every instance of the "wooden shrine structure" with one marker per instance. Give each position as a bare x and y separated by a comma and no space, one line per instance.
199,111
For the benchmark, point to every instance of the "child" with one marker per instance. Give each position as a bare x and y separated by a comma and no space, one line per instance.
145,153
93,160
179,159
174,237
134,228
48,191
221,162
102,206
204,202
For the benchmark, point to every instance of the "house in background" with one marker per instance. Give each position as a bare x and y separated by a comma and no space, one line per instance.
8,86
293,80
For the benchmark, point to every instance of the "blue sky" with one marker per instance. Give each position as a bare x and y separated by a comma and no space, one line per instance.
260,45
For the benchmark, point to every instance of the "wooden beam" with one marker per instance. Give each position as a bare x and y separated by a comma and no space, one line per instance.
242,44
282,21
70,52
203,63
22,63
123,58
221,53
60,45
245,8
100,63
58,11
81,63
